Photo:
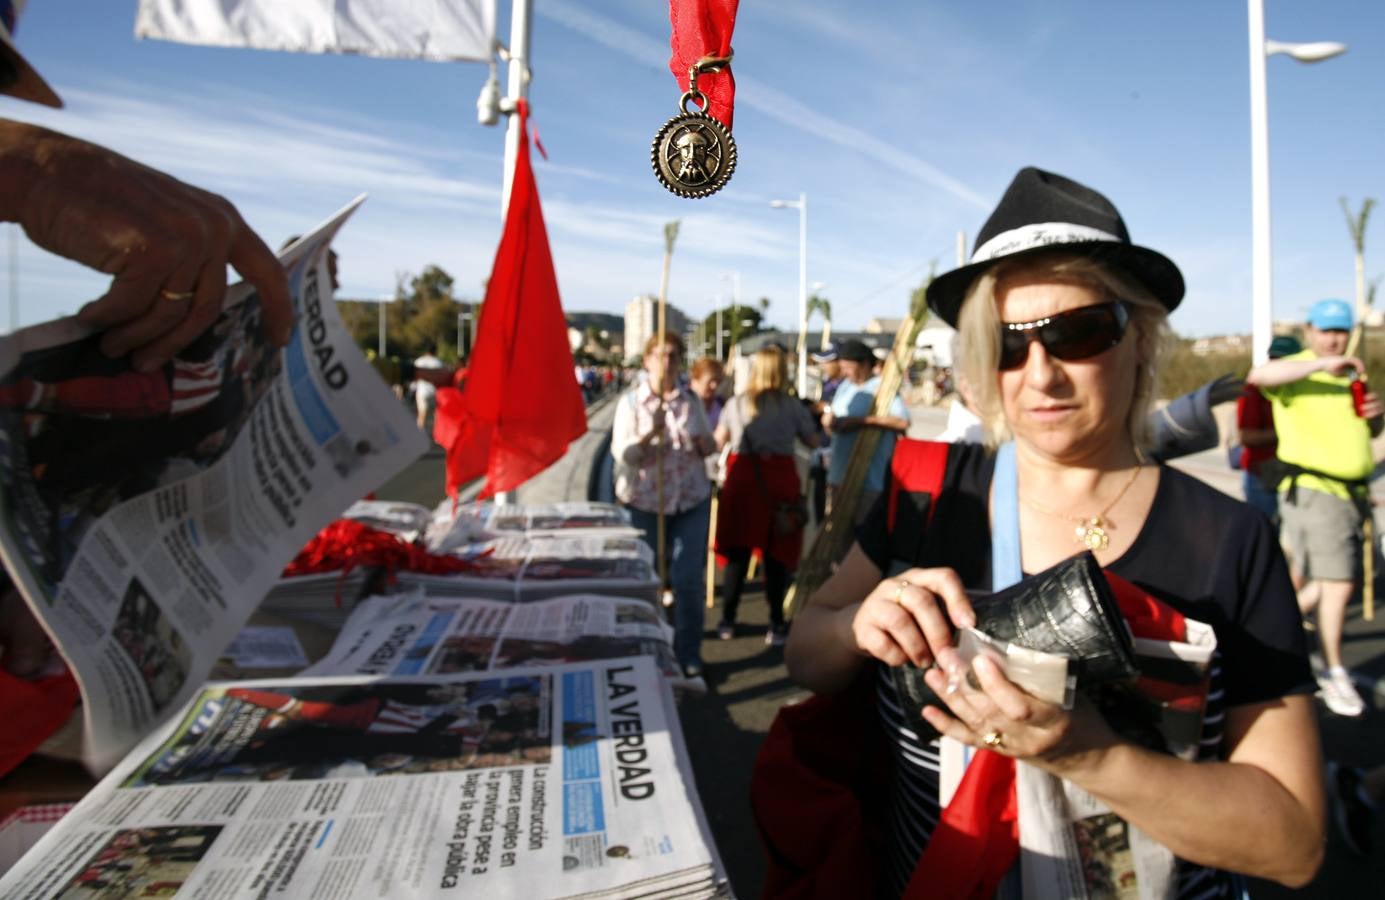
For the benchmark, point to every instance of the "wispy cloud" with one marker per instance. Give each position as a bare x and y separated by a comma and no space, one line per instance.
768,100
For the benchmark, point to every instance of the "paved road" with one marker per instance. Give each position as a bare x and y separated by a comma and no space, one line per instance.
747,685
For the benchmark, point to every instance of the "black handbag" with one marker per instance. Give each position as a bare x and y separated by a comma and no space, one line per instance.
1068,610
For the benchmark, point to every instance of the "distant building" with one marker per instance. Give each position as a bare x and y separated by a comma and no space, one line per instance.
1222,343
642,320
882,326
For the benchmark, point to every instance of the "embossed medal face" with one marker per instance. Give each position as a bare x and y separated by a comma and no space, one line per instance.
693,155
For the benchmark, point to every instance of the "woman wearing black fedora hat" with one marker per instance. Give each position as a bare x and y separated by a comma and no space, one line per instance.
1062,320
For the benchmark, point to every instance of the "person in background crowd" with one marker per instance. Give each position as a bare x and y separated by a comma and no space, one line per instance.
759,426
849,413
425,390
1325,450
829,366
1255,424
963,424
661,427
1062,321
705,381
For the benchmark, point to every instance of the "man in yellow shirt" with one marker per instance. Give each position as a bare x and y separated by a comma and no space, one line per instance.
1326,449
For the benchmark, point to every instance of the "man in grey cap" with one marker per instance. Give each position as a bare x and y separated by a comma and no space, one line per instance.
849,413
1325,454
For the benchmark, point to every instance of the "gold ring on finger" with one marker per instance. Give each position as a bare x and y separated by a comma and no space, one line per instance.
993,739
176,296
899,593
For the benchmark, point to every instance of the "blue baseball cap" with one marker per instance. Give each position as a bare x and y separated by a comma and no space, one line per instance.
826,353
1330,315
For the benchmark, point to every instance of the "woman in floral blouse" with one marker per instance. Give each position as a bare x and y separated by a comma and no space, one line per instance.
660,425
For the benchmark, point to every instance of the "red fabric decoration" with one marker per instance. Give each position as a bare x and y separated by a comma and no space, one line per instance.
520,406
345,544
32,711
702,27
977,838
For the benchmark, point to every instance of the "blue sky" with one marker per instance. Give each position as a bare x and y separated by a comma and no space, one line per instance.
903,121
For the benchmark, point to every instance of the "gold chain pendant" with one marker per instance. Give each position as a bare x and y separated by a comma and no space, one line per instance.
1090,534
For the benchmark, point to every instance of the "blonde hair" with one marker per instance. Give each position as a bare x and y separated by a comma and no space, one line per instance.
978,327
769,373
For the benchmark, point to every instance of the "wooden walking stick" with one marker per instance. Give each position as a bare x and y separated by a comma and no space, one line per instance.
661,539
837,532
1368,568
712,553
1356,224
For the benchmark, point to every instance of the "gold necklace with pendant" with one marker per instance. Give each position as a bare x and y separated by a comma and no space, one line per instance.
1091,530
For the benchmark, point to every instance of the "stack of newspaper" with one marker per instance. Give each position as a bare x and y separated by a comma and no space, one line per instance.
561,782
524,569
323,598
408,521
481,521
415,633
566,780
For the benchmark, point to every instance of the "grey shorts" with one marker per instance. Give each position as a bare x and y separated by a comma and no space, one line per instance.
1324,534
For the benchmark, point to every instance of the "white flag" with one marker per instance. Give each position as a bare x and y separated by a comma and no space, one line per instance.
411,29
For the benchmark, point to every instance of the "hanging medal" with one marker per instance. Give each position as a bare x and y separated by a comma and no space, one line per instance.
693,154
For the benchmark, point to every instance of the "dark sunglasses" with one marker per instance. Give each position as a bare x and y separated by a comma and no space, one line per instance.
1073,335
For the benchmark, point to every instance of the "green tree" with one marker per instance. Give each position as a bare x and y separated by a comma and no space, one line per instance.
736,322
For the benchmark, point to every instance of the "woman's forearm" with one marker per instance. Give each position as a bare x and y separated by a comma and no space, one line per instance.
1264,820
820,654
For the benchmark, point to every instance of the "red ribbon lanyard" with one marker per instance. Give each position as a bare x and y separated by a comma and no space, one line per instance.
703,28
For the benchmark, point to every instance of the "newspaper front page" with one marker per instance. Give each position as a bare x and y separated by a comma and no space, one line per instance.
529,783
145,514
413,634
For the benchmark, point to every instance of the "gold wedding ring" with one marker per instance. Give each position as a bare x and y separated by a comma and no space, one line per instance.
899,593
176,295
993,739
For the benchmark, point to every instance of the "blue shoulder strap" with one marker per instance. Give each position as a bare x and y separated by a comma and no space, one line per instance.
1006,566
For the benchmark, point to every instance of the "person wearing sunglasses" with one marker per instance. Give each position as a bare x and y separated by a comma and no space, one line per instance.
1062,321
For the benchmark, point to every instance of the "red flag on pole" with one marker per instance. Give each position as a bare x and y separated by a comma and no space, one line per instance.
520,406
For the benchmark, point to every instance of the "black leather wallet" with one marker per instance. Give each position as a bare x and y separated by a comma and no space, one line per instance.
1068,610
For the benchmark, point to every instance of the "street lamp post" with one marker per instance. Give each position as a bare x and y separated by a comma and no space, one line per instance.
801,204
463,346
1262,294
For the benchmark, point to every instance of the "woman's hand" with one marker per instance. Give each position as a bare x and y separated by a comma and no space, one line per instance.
992,713
166,244
911,617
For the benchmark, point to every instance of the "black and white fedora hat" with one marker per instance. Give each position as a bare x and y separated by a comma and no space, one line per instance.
1042,212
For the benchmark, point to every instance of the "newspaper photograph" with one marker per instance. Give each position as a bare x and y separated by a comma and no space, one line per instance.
414,633
532,783
147,513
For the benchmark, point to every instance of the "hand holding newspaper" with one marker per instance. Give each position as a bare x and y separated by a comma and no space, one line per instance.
146,513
